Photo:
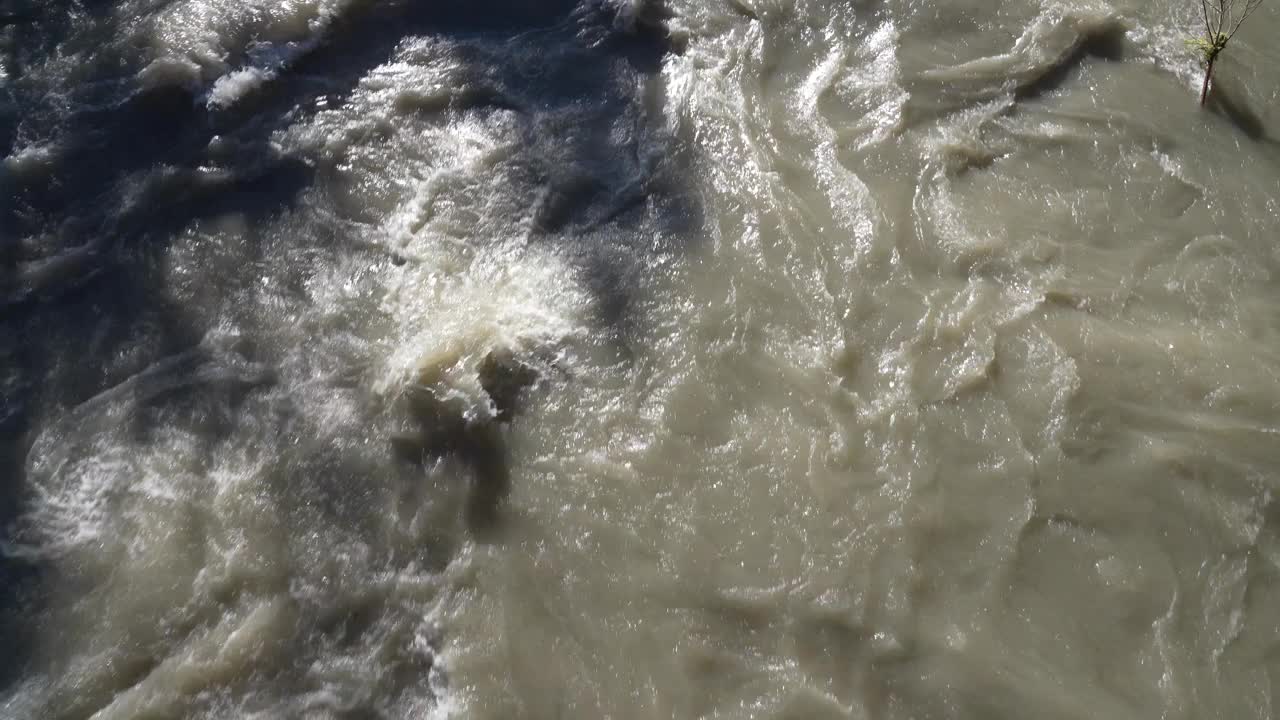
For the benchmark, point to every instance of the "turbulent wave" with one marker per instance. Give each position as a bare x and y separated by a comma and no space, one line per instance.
373,358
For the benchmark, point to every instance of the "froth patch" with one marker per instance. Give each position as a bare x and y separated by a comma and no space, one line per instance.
208,34
74,512
452,208
32,160
169,72
89,477
520,299
231,87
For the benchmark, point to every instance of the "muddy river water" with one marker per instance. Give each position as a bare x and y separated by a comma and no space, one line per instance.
883,359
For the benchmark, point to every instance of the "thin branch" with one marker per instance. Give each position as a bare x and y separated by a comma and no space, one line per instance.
1225,18
1249,7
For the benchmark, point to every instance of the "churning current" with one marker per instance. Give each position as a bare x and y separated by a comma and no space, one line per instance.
874,359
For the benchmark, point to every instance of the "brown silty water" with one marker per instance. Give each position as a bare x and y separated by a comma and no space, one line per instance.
728,359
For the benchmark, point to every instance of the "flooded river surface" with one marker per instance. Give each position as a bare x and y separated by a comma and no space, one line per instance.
884,360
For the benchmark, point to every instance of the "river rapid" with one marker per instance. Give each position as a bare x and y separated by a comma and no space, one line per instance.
881,359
